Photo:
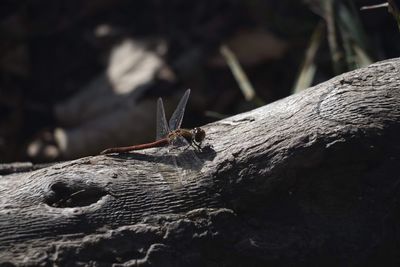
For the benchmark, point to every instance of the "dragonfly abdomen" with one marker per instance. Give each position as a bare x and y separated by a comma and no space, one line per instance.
158,143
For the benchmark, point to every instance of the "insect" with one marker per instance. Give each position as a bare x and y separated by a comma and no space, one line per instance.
168,133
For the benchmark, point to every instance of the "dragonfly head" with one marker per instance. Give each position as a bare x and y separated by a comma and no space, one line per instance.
199,134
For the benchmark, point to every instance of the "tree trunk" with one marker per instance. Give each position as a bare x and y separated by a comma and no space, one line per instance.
311,179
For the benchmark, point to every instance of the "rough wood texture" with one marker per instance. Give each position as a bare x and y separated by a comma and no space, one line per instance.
310,179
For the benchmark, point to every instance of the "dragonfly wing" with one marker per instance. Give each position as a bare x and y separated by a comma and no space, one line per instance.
162,125
177,117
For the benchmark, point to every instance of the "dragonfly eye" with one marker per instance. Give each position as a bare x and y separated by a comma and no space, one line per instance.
199,134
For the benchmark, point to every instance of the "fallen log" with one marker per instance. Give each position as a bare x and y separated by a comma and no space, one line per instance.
311,179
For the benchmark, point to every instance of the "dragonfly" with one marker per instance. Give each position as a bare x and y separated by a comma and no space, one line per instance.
168,133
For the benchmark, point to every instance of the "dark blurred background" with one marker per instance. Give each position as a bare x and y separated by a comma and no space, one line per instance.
79,76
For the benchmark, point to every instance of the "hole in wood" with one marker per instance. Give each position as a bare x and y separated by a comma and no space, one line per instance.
63,195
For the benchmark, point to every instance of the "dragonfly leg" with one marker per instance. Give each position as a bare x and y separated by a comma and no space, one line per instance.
186,148
196,146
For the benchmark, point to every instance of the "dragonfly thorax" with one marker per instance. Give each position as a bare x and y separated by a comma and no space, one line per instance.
195,135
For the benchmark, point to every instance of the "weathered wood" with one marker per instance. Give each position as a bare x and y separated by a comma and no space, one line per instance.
310,179
8,168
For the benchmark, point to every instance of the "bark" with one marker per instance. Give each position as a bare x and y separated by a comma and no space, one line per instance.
311,179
